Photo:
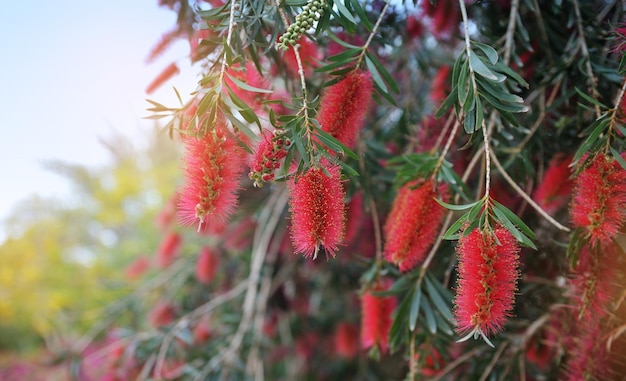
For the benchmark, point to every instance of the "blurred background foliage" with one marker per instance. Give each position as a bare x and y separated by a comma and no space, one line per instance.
64,260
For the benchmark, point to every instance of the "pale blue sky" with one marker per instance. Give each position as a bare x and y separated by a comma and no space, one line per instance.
70,72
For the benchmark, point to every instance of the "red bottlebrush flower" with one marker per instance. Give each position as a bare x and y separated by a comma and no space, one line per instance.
620,39
593,281
344,106
202,332
168,249
272,148
555,187
589,360
309,54
347,340
440,87
162,314
167,215
317,210
414,26
170,71
163,44
213,165
488,273
599,200
207,264
376,317
432,363
445,15
307,344
412,225
138,267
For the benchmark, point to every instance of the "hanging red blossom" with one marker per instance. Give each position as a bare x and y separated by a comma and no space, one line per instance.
412,225
376,317
213,166
207,265
345,105
272,148
593,281
555,187
440,87
138,267
488,273
162,314
167,215
317,210
347,340
170,71
589,356
599,199
445,17
168,249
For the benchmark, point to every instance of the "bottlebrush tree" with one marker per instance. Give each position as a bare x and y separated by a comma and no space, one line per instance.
449,176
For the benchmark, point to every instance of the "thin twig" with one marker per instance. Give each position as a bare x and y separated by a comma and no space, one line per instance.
585,52
371,36
493,362
229,35
459,360
446,148
510,32
526,197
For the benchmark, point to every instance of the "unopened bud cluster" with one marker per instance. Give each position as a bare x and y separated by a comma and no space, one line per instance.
272,148
311,13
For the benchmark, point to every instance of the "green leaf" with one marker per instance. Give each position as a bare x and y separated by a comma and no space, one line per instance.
383,72
590,99
453,231
397,332
489,51
415,308
477,66
330,140
429,314
303,152
245,86
447,103
462,84
498,91
480,113
504,221
502,68
437,300
241,126
345,55
345,44
618,157
469,123
375,75
344,11
457,207
358,9
515,219
599,126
